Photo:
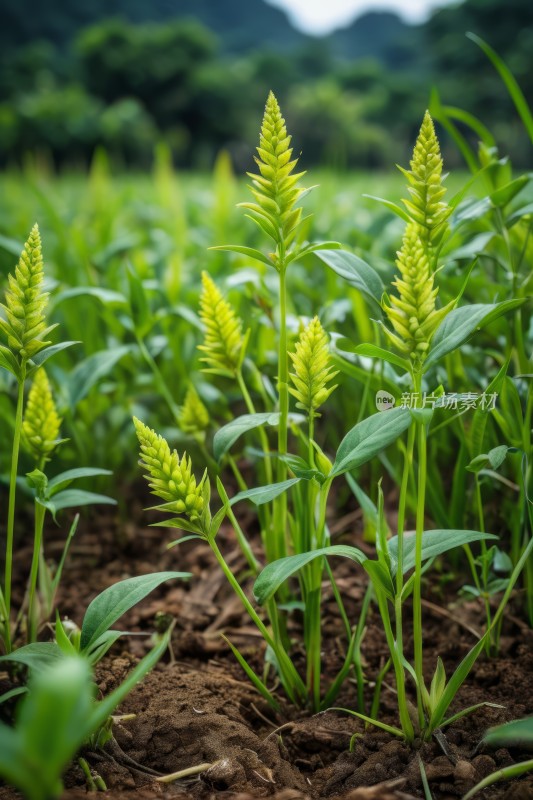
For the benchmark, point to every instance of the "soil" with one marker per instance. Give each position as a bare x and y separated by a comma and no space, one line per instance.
198,708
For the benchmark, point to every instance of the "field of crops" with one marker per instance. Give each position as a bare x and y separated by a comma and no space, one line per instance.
331,398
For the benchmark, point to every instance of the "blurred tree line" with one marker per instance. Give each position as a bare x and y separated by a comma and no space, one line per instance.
72,80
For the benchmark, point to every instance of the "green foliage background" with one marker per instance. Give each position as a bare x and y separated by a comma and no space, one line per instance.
75,75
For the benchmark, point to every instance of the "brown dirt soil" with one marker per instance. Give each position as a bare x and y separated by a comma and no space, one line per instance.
198,708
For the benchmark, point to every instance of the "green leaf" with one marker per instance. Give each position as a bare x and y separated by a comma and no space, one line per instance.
380,577
16,692
493,459
396,209
257,255
113,602
86,374
312,248
228,435
51,725
355,271
276,573
369,437
252,676
510,82
434,543
106,296
63,479
373,351
506,193
9,362
264,494
461,323
454,684
43,355
139,307
104,643
519,732
73,498
35,656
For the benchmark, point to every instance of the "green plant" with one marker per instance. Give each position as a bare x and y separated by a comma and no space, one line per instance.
55,718
518,732
36,428
423,334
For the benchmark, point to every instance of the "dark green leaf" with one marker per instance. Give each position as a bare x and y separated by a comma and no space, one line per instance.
434,543
355,271
461,323
86,374
264,494
35,656
228,435
369,437
277,572
64,478
113,602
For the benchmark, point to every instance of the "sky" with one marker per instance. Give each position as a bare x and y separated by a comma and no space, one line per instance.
323,16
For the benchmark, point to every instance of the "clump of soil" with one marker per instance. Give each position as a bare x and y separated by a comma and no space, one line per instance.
198,708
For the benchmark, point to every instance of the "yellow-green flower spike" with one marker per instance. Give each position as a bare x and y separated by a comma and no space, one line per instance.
312,370
413,314
223,343
41,424
25,326
275,189
426,206
194,416
168,476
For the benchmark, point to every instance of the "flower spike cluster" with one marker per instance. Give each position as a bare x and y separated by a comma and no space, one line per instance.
414,314
25,324
193,417
224,343
426,206
312,370
168,476
40,428
275,189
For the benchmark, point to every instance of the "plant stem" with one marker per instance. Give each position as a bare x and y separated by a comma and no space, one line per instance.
504,774
280,504
292,683
11,505
417,585
398,608
262,434
40,512
159,380
399,670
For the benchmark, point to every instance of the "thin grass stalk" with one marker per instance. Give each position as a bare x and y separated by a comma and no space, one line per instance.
40,512
11,505
398,606
417,586
280,504
292,682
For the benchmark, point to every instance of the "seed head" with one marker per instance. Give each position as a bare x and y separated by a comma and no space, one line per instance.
40,427
193,417
168,476
426,206
223,343
413,314
24,326
275,189
312,370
